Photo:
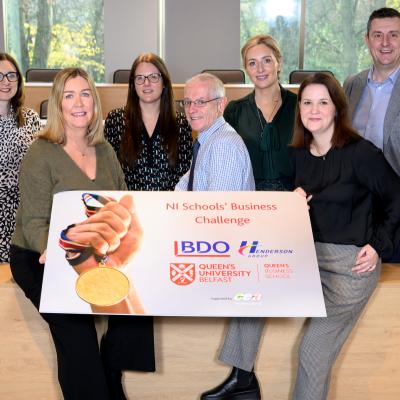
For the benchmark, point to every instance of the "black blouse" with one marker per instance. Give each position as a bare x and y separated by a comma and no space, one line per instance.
152,170
356,195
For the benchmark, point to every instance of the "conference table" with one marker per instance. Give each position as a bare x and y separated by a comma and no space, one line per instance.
187,348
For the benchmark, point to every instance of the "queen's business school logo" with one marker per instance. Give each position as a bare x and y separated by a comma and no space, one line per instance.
254,249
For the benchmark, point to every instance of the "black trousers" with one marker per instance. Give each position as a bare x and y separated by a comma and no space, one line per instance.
128,343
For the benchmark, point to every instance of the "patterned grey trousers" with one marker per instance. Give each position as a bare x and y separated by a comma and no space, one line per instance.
345,294
241,342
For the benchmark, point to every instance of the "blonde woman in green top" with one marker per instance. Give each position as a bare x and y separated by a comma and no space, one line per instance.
265,117
71,154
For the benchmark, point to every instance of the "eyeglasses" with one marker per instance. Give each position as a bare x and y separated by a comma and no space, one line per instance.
198,103
11,76
153,78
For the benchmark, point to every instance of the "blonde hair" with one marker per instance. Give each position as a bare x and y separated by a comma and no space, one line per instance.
266,40
54,130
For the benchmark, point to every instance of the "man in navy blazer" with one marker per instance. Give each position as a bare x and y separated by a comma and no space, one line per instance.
374,94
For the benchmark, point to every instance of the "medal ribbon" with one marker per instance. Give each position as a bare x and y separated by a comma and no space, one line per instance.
74,247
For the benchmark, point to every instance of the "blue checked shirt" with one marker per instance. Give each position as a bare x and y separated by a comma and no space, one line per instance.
223,162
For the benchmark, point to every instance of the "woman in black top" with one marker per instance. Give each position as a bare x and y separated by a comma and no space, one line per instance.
354,200
153,143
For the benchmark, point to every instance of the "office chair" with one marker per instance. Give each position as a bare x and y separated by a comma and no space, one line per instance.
121,76
227,75
43,109
41,74
298,75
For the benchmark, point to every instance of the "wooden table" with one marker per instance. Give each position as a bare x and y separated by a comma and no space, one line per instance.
186,350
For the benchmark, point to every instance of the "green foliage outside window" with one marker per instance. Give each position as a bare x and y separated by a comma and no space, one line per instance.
333,32
57,34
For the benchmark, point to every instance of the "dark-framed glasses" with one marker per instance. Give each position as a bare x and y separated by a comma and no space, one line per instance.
11,76
153,78
198,103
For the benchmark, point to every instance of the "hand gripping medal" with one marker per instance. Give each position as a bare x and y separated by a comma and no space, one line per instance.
102,285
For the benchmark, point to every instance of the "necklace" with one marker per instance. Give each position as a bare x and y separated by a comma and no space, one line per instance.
269,119
77,150
323,154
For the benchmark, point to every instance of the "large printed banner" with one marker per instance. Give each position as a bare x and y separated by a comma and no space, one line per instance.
201,254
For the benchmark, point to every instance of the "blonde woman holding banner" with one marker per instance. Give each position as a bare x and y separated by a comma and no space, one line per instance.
71,154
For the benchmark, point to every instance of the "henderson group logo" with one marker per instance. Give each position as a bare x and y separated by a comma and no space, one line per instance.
253,249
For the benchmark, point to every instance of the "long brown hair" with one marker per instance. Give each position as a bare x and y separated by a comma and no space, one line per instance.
18,99
134,126
343,131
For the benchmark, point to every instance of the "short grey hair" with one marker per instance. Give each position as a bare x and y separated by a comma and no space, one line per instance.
217,88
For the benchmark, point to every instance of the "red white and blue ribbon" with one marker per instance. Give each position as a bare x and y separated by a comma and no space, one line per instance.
93,203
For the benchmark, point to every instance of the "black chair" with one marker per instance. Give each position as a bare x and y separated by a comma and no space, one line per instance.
228,75
43,109
41,74
121,76
297,76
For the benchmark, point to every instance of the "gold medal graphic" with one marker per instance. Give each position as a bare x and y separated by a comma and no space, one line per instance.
102,286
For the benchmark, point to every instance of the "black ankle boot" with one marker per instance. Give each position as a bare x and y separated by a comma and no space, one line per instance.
239,385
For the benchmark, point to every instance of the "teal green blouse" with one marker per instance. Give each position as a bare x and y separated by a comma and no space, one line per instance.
267,143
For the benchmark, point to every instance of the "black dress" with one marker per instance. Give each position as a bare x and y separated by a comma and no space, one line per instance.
14,142
152,170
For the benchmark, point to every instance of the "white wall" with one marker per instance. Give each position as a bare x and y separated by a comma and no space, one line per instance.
201,35
130,28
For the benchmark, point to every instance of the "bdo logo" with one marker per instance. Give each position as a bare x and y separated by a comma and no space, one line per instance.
201,248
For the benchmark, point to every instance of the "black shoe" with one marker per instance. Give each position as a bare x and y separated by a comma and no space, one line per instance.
239,385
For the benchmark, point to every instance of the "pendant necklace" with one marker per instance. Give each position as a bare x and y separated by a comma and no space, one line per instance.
269,119
323,155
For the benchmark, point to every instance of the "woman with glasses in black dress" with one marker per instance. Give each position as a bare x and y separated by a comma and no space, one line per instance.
153,143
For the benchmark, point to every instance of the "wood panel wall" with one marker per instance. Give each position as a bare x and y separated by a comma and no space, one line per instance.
114,95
